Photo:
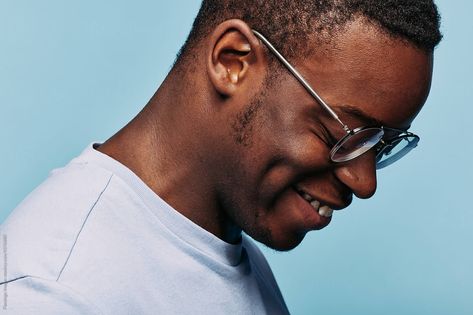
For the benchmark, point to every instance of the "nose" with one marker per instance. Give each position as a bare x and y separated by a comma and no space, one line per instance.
359,175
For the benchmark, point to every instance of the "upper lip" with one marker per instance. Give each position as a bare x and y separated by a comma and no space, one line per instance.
335,205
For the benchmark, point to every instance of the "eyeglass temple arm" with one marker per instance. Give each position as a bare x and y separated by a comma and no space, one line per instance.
300,79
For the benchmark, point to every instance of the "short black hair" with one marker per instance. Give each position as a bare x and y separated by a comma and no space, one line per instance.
291,24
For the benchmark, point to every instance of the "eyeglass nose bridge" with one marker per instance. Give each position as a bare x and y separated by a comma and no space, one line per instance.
412,141
383,146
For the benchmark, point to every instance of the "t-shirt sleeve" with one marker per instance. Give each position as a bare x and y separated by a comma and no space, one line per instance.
31,295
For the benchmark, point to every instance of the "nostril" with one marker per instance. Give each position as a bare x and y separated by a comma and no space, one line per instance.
348,198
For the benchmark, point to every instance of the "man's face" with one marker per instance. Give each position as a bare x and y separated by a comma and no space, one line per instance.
285,148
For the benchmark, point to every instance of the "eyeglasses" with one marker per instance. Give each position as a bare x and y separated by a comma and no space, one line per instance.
359,140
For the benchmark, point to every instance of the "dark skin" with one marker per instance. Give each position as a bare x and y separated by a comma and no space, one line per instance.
228,168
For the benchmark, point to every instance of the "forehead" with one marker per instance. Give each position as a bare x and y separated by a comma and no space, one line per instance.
366,69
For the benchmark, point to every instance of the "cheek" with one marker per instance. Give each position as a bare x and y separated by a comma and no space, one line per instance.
306,152
285,146
301,138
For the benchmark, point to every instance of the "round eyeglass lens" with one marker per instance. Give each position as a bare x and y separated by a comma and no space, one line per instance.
356,143
395,150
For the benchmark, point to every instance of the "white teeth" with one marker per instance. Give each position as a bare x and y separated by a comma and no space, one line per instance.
315,204
325,211
307,197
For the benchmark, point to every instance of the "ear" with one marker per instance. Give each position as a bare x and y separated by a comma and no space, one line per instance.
233,51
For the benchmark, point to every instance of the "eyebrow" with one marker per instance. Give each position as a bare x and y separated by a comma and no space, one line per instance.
356,112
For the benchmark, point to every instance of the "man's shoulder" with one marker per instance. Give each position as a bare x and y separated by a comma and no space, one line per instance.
40,232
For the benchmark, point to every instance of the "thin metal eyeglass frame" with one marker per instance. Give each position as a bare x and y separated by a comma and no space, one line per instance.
301,79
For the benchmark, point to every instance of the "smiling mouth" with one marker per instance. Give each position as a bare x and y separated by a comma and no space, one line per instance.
322,210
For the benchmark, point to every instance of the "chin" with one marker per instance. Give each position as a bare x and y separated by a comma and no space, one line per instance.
283,242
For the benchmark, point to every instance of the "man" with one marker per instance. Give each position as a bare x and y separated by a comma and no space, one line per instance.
274,115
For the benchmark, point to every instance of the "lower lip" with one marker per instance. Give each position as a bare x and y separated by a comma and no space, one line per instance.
313,219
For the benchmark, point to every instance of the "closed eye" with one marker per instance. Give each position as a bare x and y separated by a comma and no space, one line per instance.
329,139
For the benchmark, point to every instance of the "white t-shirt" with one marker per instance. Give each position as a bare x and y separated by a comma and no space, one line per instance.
94,239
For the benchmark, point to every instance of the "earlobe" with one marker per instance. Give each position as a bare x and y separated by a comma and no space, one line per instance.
230,56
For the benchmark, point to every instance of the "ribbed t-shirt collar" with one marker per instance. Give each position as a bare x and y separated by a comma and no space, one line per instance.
181,226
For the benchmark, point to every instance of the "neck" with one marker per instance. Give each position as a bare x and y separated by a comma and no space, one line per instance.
173,156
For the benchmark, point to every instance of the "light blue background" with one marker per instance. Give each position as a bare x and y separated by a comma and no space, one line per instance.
72,72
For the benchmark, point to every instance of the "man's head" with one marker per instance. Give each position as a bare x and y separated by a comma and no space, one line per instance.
248,145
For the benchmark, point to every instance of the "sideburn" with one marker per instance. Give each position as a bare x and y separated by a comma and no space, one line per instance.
244,121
